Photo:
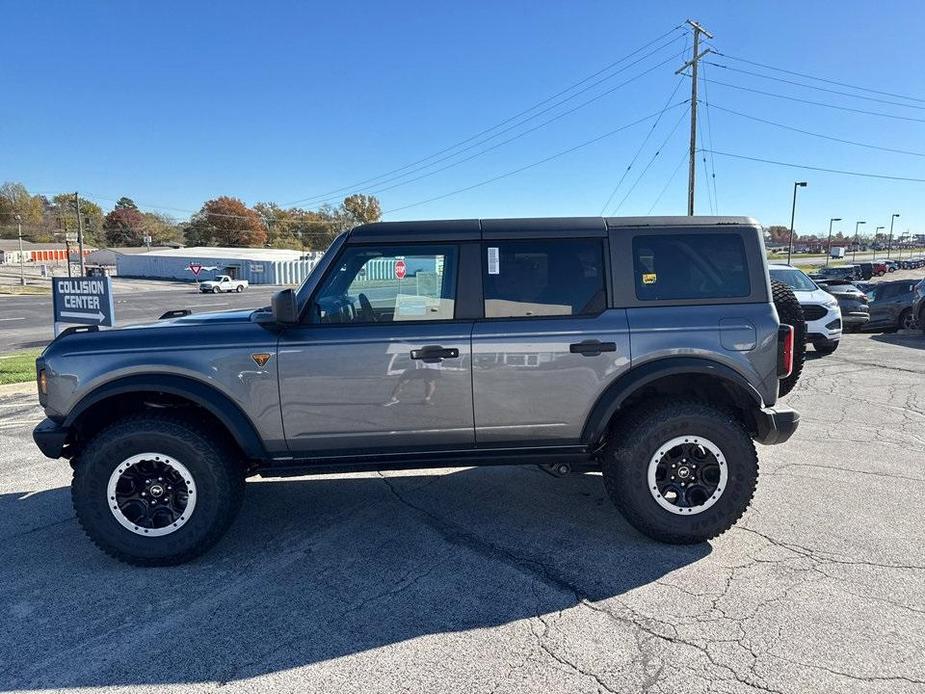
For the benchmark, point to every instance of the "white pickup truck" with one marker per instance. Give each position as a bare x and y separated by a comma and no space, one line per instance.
222,283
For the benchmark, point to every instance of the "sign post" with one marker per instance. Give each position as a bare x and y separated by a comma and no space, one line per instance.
82,300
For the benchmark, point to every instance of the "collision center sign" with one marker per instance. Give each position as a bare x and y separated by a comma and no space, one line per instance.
83,300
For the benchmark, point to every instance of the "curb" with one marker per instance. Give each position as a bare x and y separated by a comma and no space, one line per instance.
26,388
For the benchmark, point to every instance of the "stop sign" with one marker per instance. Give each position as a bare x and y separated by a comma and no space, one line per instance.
400,269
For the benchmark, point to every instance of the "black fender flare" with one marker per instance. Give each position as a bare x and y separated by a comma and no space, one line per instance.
638,377
202,394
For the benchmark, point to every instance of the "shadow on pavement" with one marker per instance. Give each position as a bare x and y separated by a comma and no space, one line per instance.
312,570
913,341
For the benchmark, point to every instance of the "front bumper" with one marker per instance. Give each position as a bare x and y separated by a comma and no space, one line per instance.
51,438
828,326
855,319
775,424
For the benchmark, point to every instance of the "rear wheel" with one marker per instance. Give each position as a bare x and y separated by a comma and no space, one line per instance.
681,472
239,288
790,313
156,491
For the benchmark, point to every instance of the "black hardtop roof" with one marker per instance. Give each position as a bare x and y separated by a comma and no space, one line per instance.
476,229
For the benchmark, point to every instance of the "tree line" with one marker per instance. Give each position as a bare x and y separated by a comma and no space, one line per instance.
222,221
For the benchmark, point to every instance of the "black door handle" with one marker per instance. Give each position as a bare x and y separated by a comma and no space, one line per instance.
592,348
433,353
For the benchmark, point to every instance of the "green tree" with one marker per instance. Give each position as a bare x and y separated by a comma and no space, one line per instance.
63,210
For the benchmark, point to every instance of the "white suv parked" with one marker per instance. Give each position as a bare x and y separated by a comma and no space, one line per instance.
820,309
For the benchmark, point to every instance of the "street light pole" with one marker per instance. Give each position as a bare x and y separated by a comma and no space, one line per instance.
828,250
793,212
854,252
22,270
889,244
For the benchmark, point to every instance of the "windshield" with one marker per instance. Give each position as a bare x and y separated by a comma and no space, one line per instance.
793,278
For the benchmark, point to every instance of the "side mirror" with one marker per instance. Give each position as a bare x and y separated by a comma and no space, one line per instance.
285,307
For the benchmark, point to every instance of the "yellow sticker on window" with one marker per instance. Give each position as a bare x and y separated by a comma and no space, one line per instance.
649,278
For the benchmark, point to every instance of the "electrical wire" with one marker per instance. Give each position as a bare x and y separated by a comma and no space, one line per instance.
642,146
321,196
819,135
674,173
811,86
816,103
652,160
534,164
706,97
819,79
808,167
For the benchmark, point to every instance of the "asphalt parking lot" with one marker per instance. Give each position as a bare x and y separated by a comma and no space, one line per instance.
504,579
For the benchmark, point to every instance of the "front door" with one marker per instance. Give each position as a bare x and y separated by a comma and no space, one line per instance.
380,361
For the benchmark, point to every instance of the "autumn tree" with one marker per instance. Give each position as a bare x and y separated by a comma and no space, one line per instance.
226,221
63,209
123,225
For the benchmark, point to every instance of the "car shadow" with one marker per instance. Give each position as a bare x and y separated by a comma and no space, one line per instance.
913,341
312,570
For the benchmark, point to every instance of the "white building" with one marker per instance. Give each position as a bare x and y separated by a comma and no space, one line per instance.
256,265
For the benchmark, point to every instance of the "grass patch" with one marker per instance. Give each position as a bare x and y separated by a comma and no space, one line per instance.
18,367
28,290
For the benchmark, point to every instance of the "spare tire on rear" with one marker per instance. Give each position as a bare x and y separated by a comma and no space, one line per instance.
790,313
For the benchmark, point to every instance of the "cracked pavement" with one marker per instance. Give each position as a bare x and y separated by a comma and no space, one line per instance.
503,579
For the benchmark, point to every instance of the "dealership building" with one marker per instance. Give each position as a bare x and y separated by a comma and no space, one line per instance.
256,265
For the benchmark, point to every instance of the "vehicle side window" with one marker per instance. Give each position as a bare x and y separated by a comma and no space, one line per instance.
557,277
389,283
690,266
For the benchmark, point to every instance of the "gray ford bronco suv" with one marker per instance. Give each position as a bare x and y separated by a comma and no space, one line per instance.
648,349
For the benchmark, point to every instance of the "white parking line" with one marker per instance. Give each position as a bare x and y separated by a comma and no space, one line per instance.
20,318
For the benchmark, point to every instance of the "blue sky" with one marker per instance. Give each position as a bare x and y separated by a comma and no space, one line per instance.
172,103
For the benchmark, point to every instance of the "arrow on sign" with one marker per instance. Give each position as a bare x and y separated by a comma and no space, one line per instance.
74,314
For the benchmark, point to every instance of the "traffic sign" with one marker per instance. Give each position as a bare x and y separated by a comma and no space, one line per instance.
195,268
400,269
83,300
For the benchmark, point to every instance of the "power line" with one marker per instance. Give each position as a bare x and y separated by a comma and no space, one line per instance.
651,161
820,89
642,146
706,97
821,79
808,167
820,135
521,134
684,155
513,172
321,196
817,103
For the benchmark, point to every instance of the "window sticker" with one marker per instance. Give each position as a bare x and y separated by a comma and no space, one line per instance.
649,278
494,261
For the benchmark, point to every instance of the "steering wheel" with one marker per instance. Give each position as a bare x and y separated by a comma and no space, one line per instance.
366,309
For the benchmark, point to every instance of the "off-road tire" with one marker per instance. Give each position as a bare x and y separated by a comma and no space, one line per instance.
638,437
825,348
790,313
218,475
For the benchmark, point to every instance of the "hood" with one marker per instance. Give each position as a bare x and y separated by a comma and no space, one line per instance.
814,296
238,315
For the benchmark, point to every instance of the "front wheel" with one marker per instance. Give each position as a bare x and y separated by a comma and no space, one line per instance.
155,491
907,320
825,347
215,290
681,472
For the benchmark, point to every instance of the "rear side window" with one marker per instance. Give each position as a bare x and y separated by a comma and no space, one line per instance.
690,266
558,277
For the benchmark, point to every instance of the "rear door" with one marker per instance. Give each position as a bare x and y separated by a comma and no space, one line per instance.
548,344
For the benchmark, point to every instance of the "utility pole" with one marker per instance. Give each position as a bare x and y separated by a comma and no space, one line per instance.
889,243
828,250
696,55
854,252
22,269
793,214
80,235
